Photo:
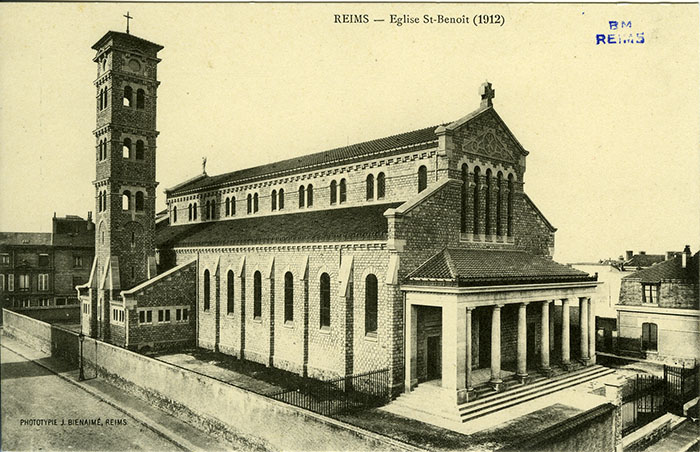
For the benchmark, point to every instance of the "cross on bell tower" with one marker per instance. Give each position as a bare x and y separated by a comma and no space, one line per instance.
487,95
128,18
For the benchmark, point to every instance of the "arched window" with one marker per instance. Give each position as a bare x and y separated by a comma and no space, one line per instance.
140,98
249,204
477,188
302,196
126,148
325,300
499,203
288,297
99,100
207,207
139,201
257,295
229,292
99,150
370,186
99,202
381,186
334,192
422,178
133,242
281,199
233,205
104,64
487,210
650,337
309,195
139,150
343,191
371,304
174,214
105,97
273,200
126,200
189,212
207,291
194,211
128,94
228,207
255,203
463,205
509,218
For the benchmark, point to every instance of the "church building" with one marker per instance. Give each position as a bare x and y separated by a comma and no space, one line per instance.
419,252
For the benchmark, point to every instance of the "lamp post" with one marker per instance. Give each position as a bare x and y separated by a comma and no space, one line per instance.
81,376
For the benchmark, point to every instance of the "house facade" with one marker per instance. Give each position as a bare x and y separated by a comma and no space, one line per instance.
658,314
419,253
41,269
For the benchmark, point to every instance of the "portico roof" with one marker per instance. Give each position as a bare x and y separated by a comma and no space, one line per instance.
464,267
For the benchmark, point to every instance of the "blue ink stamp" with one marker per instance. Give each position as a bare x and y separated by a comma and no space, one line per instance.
623,35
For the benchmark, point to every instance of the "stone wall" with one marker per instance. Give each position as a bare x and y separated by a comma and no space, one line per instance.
204,401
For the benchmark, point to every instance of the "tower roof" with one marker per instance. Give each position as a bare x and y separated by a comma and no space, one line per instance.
125,37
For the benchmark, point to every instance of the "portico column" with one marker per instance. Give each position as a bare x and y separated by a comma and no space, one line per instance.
496,345
583,326
544,347
411,352
522,341
469,349
591,331
565,356
454,353
551,327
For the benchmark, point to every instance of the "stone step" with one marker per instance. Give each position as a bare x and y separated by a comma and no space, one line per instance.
539,382
469,412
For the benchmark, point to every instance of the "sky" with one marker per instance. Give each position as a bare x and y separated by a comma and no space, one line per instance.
613,130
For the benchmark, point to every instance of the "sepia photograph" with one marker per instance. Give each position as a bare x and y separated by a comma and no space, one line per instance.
350,226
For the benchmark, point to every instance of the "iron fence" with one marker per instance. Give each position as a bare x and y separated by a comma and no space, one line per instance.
340,395
646,402
681,386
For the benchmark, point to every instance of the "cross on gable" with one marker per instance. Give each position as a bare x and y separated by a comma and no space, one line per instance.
128,17
487,95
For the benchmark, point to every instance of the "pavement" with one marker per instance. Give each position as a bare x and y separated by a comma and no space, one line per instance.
679,440
41,396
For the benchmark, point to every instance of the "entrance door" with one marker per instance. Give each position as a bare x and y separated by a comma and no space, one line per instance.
434,355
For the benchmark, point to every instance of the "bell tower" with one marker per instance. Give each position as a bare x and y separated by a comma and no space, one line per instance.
125,185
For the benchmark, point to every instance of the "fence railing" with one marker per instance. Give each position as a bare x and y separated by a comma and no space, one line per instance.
681,386
340,395
652,396
646,402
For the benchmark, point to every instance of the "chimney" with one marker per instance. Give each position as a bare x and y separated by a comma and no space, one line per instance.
670,254
90,224
89,218
629,254
642,253
685,257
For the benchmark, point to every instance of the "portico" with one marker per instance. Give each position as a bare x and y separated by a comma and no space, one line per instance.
508,326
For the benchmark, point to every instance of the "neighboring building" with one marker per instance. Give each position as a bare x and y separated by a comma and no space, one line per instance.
658,313
40,269
405,252
633,262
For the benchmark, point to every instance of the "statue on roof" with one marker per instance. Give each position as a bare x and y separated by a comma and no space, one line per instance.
204,165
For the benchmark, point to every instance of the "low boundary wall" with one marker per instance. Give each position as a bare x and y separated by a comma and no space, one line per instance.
200,399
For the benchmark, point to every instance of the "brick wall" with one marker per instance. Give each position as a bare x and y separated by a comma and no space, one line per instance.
325,354
175,290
